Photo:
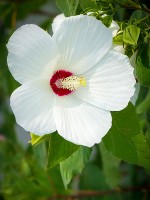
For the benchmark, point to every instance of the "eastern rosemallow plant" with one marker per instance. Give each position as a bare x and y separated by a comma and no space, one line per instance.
70,81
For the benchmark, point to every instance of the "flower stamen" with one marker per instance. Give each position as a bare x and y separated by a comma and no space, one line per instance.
72,83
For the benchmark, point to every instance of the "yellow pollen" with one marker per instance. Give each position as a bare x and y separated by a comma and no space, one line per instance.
73,82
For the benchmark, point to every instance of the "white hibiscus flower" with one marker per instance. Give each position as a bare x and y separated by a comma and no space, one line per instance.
70,81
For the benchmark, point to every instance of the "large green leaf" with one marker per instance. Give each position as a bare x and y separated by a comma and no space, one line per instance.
59,150
110,166
68,7
131,34
74,164
125,139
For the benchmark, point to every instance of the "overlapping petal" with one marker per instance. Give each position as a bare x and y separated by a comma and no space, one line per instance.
32,51
33,104
110,84
57,22
80,122
82,43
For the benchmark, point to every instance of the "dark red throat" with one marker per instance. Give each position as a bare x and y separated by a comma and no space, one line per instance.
60,74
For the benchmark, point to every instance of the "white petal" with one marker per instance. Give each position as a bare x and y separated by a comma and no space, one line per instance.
133,59
57,22
31,51
110,84
82,41
79,122
118,48
32,105
114,27
136,94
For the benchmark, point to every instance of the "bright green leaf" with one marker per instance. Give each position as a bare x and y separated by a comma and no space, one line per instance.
59,150
118,39
125,139
68,7
74,164
36,139
131,34
110,166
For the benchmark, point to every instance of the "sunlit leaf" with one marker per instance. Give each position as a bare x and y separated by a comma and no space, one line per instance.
74,164
131,34
36,139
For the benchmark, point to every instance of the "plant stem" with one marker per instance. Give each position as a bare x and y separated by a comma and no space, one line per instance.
83,194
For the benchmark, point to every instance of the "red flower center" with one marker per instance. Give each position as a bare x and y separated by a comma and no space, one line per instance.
55,82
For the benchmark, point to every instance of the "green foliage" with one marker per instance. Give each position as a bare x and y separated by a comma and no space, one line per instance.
125,139
24,174
131,34
110,166
26,7
93,178
142,68
74,164
144,105
41,170
145,54
68,7
59,150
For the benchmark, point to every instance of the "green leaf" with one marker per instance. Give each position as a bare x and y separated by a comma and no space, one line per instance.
36,139
125,139
142,68
131,34
68,7
110,166
74,164
118,39
59,150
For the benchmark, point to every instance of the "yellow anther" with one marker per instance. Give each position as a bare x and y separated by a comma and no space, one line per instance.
73,82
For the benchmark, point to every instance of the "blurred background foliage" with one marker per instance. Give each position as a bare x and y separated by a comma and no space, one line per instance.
52,168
